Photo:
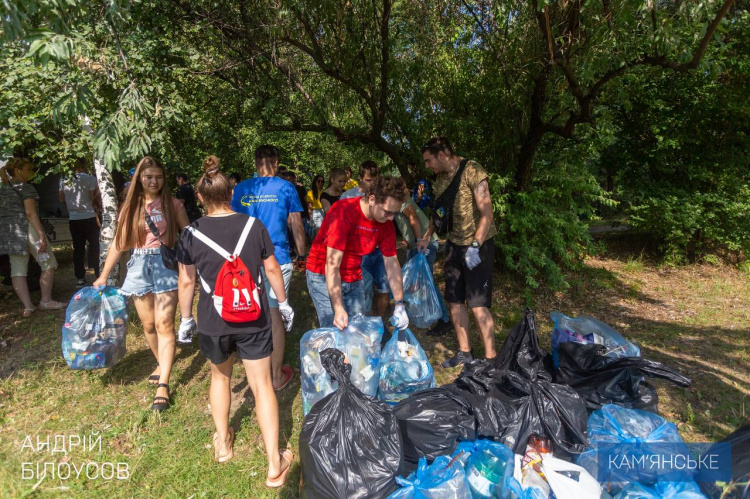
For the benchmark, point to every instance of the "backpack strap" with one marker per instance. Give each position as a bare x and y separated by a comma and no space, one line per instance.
221,251
209,242
243,236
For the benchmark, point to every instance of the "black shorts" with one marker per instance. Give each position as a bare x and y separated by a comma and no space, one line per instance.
471,286
250,346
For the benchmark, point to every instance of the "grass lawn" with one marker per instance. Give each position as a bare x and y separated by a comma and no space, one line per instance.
695,319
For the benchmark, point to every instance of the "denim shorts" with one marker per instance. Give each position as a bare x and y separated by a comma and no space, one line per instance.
286,274
353,296
147,274
374,265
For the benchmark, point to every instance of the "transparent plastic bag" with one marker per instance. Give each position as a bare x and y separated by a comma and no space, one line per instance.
421,297
642,433
404,368
585,330
445,478
488,465
360,342
662,490
96,322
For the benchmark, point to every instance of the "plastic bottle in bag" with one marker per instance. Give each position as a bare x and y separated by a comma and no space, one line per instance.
404,368
485,471
360,343
93,335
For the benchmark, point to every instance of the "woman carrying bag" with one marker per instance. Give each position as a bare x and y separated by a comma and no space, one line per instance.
149,223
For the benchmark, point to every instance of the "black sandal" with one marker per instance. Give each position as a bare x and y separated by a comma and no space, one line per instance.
161,402
154,378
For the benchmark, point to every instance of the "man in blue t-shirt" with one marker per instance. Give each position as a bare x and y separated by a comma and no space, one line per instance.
274,202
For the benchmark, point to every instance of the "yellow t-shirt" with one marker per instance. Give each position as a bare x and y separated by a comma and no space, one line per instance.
350,184
465,212
314,203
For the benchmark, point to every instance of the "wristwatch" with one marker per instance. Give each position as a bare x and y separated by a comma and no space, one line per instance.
399,302
475,244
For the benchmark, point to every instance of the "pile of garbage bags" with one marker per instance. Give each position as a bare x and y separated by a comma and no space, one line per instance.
400,369
512,427
506,400
96,322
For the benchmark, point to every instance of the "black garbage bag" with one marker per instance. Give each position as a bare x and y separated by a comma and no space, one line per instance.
432,422
601,380
514,396
739,487
350,444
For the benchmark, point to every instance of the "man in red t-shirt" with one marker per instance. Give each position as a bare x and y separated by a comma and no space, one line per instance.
354,228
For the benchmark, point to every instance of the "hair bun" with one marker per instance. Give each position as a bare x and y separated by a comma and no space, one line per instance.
211,165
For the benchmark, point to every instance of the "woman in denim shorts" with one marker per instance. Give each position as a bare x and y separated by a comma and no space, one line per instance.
153,286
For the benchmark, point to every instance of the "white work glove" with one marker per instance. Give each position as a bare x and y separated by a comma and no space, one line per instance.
185,332
400,320
472,257
287,315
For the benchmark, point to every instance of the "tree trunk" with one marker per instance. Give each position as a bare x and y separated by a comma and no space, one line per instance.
109,212
109,217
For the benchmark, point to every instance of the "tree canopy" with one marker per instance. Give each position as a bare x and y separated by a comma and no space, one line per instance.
575,107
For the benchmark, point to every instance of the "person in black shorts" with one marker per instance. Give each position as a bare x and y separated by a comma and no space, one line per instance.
219,339
469,251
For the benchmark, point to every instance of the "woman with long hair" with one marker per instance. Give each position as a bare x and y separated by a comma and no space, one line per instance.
148,206
22,234
336,183
203,251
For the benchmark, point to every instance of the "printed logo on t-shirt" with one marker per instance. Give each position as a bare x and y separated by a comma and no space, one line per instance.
156,215
250,199
367,229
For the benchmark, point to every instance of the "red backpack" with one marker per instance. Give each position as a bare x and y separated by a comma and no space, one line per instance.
235,293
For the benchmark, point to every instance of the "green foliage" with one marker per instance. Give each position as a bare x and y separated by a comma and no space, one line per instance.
680,159
549,96
545,229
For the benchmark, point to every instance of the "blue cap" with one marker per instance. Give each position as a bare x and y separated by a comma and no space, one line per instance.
131,172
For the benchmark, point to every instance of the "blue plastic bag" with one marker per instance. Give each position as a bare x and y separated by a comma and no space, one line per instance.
488,465
360,342
421,297
404,368
662,490
445,478
638,431
584,330
96,322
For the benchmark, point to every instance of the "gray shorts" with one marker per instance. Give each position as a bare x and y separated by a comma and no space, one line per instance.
286,273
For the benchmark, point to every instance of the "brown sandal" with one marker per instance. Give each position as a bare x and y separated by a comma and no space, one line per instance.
223,458
279,481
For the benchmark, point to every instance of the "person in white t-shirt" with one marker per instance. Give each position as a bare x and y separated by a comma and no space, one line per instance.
80,194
